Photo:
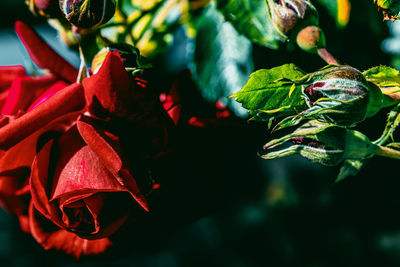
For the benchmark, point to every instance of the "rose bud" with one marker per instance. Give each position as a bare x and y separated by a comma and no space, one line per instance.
87,14
290,16
45,8
341,95
310,39
323,143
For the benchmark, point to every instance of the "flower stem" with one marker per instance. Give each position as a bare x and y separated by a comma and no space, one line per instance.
327,57
83,71
387,152
392,123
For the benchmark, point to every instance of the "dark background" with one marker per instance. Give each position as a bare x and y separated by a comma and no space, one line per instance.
227,207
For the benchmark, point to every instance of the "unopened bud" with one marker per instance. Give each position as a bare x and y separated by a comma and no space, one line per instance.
310,39
323,143
341,95
88,14
290,16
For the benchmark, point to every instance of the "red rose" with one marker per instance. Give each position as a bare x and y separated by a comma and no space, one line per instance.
82,185
81,188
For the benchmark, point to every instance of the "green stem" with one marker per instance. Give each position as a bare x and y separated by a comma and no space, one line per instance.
387,152
83,71
327,57
391,125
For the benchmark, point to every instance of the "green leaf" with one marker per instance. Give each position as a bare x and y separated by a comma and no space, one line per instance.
222,60
272,93
387,78
250,18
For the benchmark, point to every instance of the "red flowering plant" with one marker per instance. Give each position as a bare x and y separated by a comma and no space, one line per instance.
68,148
79,148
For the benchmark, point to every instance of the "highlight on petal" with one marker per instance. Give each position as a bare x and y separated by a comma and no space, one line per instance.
23,91
47,94
65,101
43,55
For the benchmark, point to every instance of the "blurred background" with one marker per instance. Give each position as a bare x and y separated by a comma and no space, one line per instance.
230,208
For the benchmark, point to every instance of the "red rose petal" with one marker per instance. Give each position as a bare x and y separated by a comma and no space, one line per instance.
107,149
43,55
223,114
196,122
67,100
24,223
171,103
47,94
111,86
100,143
22,154
40,168
95,205
83,170
38,180
79,169
23,91
8,74
51,237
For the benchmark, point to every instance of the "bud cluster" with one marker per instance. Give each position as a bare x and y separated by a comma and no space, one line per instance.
290,16
323,105
297,20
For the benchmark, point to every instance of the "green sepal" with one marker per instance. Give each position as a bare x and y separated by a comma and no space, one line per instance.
350,167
